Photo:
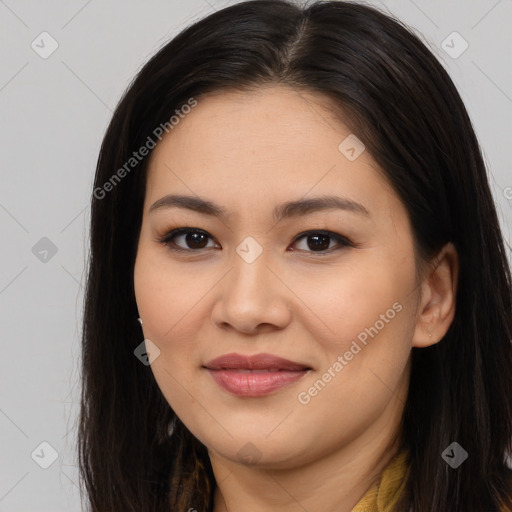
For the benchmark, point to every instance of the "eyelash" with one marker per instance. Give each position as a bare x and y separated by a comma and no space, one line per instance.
166,240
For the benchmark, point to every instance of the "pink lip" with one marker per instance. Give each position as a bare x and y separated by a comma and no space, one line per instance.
230,371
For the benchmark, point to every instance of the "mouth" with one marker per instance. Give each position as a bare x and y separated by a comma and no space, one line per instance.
256,375
255,363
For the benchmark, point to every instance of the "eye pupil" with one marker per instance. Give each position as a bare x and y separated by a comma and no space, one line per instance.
193,239
324,245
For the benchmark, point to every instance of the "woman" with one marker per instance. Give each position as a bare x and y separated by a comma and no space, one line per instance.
293,204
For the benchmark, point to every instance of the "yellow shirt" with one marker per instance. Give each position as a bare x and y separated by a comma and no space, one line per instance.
383,496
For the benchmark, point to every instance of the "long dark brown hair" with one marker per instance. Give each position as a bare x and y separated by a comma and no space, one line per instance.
397,98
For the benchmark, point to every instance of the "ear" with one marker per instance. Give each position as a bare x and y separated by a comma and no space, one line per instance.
436,308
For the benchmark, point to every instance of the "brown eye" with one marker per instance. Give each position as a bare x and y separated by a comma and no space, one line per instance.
320,241
190,239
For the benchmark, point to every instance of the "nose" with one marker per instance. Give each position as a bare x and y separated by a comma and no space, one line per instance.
252,298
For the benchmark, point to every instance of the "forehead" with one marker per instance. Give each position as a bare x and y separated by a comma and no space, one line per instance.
273,142
259,118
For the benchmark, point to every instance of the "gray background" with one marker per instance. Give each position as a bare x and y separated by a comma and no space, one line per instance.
54,113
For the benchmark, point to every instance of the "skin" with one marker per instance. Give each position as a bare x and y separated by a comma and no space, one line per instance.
249,152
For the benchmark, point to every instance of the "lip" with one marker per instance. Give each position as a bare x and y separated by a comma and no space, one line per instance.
255,362
255,375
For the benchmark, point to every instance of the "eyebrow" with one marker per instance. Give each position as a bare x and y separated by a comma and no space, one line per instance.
286,210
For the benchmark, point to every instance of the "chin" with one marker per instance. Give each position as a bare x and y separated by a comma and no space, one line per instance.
261,452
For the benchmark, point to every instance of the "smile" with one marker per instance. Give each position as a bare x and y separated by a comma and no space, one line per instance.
254,375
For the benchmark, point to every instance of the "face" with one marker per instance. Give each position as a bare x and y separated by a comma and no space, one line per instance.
331,288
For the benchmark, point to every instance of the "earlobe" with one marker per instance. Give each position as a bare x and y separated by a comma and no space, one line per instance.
436,310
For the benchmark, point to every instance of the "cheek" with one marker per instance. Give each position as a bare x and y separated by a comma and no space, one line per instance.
364,361
165,298
172,300
349,300
370,313
164,294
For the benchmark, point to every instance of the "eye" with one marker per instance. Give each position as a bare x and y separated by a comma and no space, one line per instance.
193,237
320,241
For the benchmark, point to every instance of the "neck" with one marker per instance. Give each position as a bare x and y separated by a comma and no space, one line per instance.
332,483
